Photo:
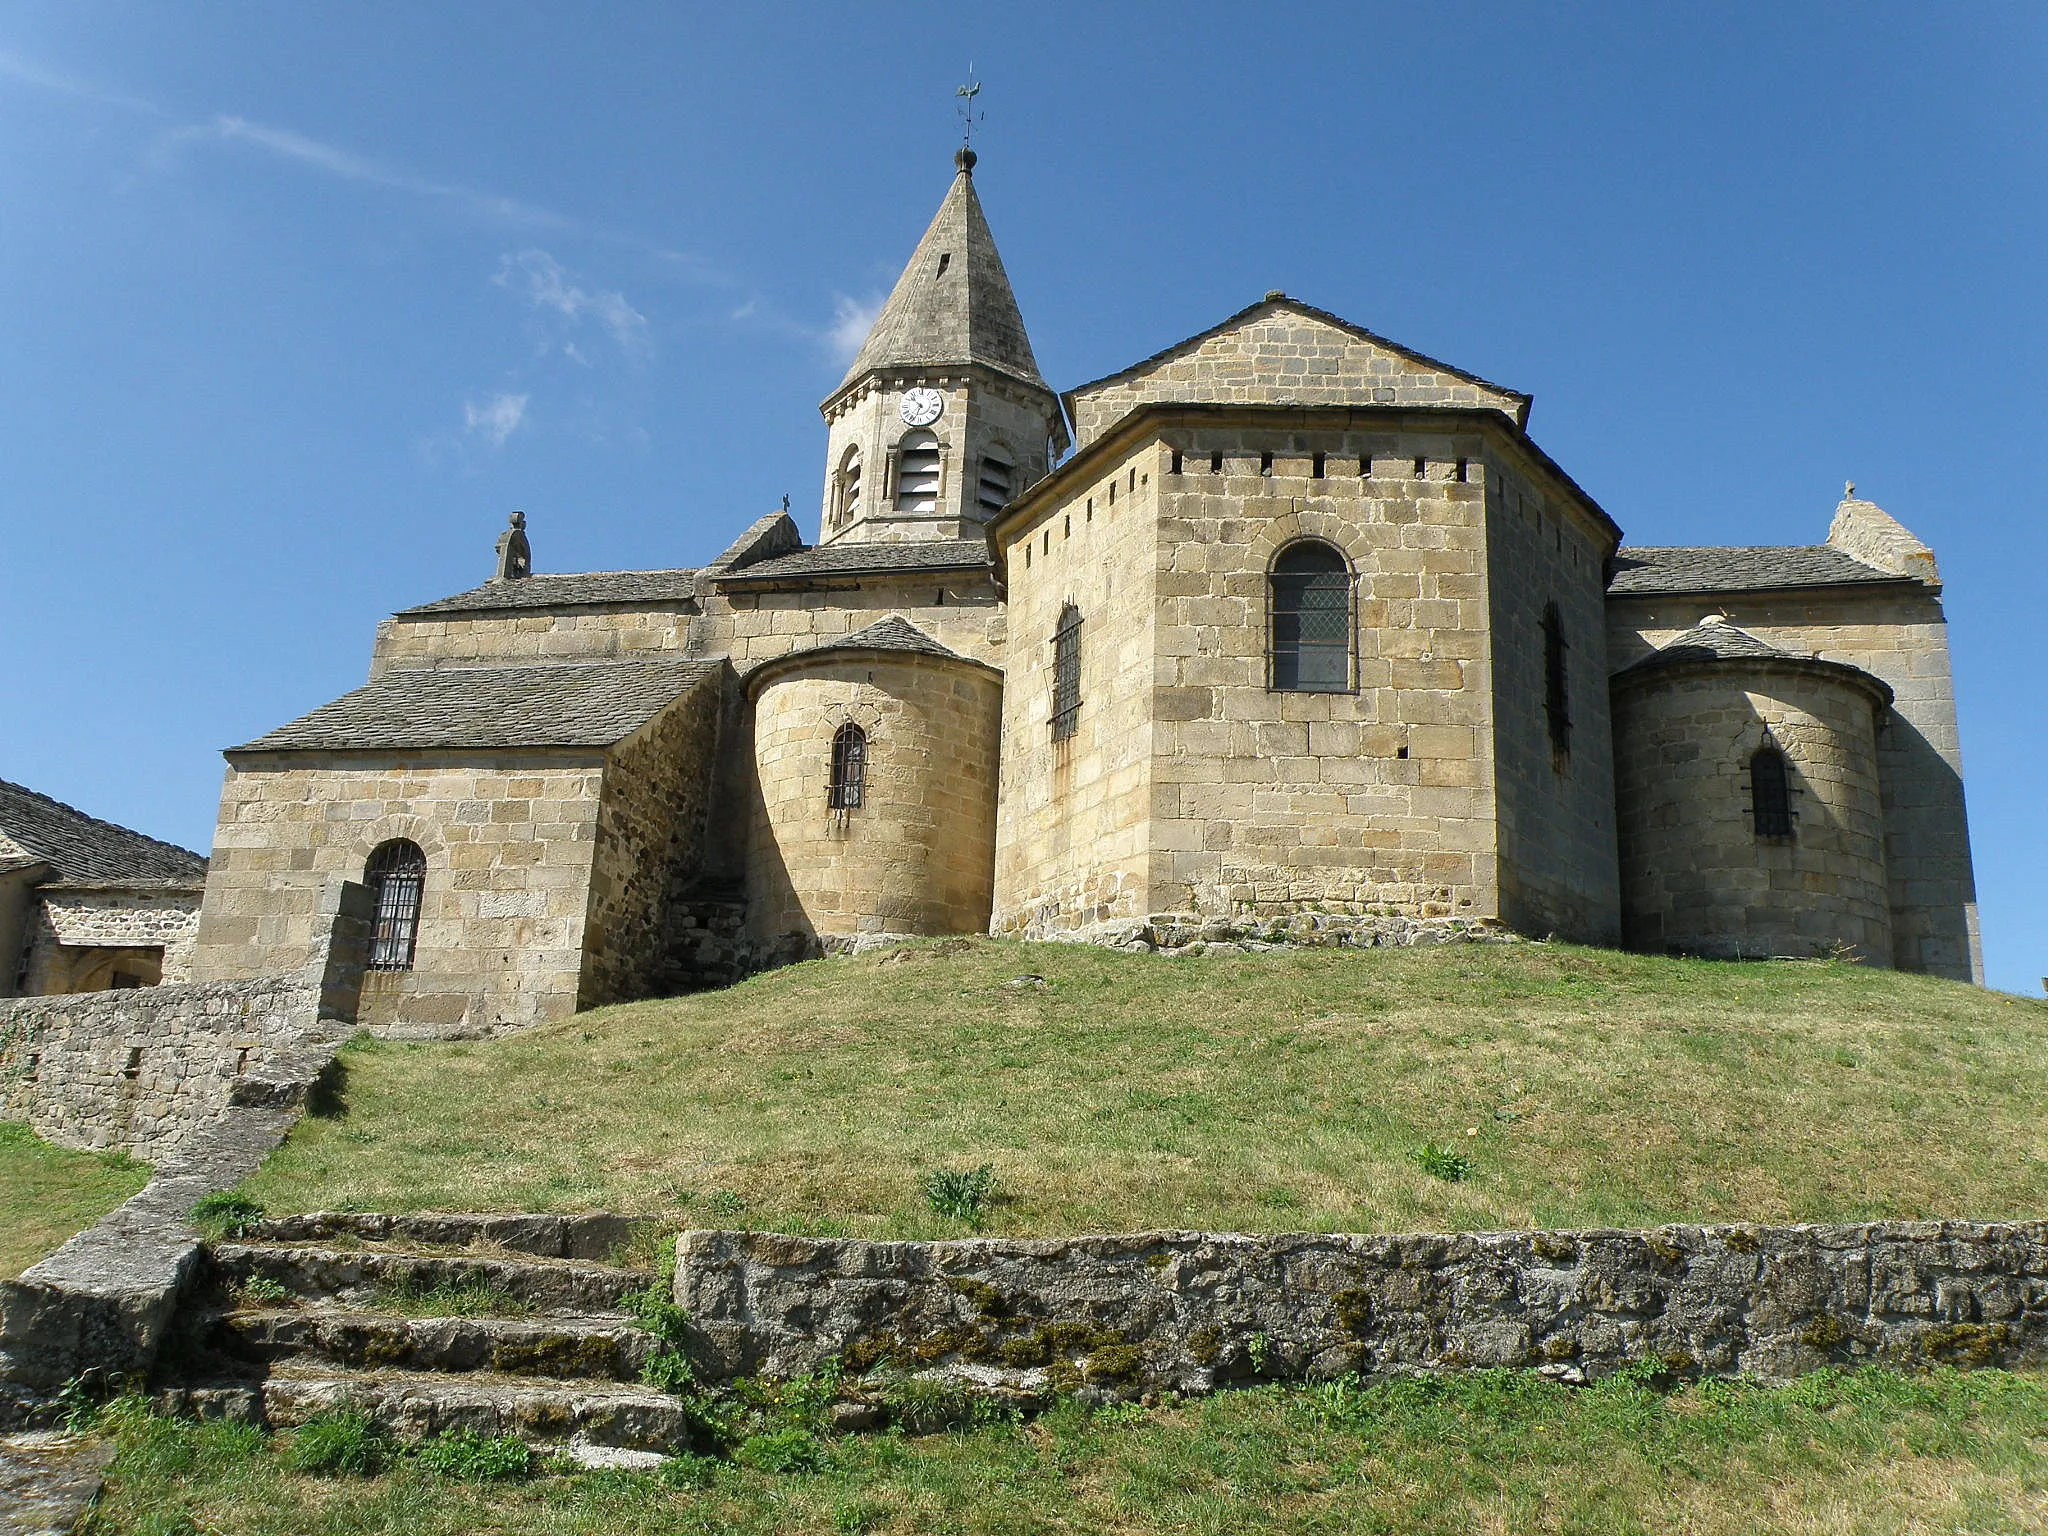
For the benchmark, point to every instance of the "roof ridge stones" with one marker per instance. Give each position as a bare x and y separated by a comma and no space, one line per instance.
567,589
84,850
477,709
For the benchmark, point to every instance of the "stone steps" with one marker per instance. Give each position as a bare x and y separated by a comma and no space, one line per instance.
597,1347
414,1405
352,1277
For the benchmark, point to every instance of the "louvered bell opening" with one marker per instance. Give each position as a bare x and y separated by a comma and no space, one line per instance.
917,474
995,485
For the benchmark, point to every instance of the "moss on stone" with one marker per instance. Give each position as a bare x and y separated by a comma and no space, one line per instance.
1354,1311
1966,1344
1115,1363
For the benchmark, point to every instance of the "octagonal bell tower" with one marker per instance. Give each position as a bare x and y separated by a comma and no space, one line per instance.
942,418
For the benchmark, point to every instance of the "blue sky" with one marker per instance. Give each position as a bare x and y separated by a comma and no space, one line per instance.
301,301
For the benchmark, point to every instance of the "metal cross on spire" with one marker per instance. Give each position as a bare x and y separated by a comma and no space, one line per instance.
968,116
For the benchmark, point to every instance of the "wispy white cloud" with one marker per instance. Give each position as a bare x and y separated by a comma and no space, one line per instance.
29,72
852,319
547,286
496,419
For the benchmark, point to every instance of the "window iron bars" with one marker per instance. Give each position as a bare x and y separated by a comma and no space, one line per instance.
1311,625
1557,713
1066,674
1770,793
849,769
397,876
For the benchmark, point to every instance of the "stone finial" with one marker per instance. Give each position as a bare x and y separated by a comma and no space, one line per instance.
1848,490
515,555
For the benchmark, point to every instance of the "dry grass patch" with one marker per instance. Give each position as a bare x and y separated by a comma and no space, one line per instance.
1284,1091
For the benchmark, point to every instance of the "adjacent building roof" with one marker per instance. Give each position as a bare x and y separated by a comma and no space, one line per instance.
953,304
584,589
1714,639
1738,568
895,633
485,708
830,560
83,850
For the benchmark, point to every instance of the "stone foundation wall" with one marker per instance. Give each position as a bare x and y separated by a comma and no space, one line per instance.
1190,1311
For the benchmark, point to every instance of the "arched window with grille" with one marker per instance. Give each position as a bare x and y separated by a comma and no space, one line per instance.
1557,712
397,878
846,503
917,472
1311,619
849,768
1066,674
1770,793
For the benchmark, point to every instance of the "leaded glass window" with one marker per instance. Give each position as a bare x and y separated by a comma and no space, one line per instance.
1311,586
1066,674
849,768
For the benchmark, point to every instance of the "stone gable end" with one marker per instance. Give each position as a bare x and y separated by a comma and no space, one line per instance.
1281,356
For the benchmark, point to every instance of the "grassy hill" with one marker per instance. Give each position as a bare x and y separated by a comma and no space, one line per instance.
48,1193
1283,1091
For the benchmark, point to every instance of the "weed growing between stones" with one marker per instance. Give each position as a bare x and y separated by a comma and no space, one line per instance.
961,1194
342,1442
469,1457
262,1291
225,1214
468,1298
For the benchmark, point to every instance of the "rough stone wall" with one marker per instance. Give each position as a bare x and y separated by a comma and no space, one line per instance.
1895,632
81,936
1074,821
141,1070
1380,798
508,840
1695,877
572,634
1190,1311
649,845
1555,810
917,856
1280,357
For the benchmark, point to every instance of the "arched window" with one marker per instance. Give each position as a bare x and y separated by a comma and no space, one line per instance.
917,473
1066,674
846,505
1557,713
997,477
849,768
396,875
1311,594
1770,793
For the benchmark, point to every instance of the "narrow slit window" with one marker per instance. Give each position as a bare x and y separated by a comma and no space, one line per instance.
1311,624
1176,463
849,768
1317,466
1066,674
1422,469
1556,684
1463,471
397,877
917,473
1365,466
1770,793
1265,463
1215,463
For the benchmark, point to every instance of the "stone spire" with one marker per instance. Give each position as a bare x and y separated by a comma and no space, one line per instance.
953,303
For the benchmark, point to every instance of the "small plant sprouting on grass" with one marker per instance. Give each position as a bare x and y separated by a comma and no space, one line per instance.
1445,1163
469,1457
225,1214
341,1442
781,1450
961,1194
262,1291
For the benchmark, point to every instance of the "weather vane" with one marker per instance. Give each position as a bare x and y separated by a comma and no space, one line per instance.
968,116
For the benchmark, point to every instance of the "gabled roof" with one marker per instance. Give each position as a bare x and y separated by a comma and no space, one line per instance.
1737,568
1273,303
585,589
492,708
829,560
953,304
82,849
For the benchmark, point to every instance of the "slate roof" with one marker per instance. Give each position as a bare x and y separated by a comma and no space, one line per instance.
1738,568
580,590
895,633
484,708
866,560
1715,639
953,303
87,851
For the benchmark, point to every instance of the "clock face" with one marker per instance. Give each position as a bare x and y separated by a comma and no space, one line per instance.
921,407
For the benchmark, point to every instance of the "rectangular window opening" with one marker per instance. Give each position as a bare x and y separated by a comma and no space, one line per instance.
1176,463
1463,468
1215,463
1316,466
1365,466
1422,469
1265,464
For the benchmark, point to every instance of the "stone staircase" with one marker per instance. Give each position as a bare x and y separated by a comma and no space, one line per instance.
497,1325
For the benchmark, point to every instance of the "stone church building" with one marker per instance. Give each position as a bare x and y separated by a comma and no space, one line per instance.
1286,626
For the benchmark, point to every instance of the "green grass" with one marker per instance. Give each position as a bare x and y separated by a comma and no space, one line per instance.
48,1194
1283,1091
1836,1454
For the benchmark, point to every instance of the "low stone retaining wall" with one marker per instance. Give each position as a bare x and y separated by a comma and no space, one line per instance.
1188,933
1190,1312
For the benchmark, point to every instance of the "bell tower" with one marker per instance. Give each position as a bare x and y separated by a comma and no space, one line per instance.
943,417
